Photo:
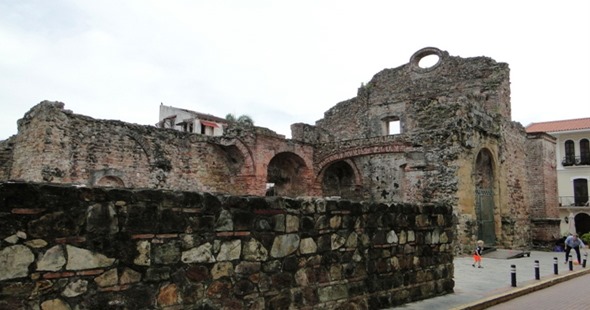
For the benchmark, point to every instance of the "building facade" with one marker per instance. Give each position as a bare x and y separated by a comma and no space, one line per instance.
190,121
572,161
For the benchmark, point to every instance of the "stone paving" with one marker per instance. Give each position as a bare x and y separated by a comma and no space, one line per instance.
473,285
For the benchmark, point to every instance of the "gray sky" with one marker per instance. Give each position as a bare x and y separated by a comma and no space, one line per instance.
280,62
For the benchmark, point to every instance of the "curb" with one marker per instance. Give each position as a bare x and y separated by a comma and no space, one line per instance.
517,292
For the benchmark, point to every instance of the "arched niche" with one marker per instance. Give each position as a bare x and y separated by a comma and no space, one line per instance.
287,175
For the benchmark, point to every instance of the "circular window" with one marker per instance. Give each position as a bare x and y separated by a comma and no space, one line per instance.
426,59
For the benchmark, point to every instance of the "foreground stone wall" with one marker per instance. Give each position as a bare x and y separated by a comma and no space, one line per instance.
94,248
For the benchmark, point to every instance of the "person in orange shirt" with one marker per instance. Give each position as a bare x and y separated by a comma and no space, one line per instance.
477,254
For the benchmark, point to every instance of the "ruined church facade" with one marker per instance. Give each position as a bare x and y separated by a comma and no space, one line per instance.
457,144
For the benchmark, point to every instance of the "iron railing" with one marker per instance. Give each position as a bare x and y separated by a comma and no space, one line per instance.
572,201
575,160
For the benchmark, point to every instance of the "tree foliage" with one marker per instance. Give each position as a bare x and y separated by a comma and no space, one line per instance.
242,119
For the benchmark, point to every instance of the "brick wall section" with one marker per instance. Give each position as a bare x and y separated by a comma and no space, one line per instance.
544,200
540,150
55,145
95,248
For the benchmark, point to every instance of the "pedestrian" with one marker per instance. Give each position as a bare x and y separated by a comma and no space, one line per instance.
573,242
477,254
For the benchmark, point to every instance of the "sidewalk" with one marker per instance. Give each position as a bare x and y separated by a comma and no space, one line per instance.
477,288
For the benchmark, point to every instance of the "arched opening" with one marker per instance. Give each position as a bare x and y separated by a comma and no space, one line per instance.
110,181
287,175
339,180
582,221
234,158
484,197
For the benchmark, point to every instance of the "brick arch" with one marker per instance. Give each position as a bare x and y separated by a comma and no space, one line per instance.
110,181
290,174
347,193
249,167
108,177
362,151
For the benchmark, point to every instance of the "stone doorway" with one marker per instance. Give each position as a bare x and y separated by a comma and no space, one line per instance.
484,197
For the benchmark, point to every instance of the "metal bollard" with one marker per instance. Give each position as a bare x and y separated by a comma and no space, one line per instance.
537,273
571,263
555,269
584,261
513,275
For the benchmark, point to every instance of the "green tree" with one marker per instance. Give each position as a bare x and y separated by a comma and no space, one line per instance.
242,119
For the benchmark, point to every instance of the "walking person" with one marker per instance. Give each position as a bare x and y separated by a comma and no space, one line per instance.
477,254
573,242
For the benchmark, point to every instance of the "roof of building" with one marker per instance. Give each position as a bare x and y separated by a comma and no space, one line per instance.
556,126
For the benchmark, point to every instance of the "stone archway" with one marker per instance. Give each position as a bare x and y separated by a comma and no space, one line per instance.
339,179
484,197
287,175
110,181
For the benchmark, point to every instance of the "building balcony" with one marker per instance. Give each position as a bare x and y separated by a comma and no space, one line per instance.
572,201
575,160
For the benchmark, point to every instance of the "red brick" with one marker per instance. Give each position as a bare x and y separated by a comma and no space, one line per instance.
167,236
26,211
142,236
56,275
90,272
225,234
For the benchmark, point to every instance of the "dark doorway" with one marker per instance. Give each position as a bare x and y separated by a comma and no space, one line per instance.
338,180
580,192
484,197
287,173
582,221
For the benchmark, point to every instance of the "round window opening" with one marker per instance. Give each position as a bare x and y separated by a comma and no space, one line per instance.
428,61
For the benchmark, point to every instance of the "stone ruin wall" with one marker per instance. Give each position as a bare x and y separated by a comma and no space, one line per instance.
449,113
545,200
63,247
55,145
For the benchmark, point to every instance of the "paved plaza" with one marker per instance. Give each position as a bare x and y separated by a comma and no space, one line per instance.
477,288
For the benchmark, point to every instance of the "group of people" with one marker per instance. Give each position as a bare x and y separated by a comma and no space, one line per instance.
571,242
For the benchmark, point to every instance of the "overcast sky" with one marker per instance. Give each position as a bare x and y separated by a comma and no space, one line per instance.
280,62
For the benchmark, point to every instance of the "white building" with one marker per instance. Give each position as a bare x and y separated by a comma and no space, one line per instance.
573,170
191,121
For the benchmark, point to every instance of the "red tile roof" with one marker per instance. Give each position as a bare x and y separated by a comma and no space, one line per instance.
564,125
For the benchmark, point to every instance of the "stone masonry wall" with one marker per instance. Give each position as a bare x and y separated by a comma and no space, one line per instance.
94,248
515,191
544,201
54,145
6,147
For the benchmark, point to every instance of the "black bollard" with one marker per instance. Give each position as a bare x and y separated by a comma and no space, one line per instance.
584,261
513,275
571,263
555,269
537,273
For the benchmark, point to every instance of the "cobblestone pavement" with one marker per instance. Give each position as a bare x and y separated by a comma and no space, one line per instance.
473,284
572,295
